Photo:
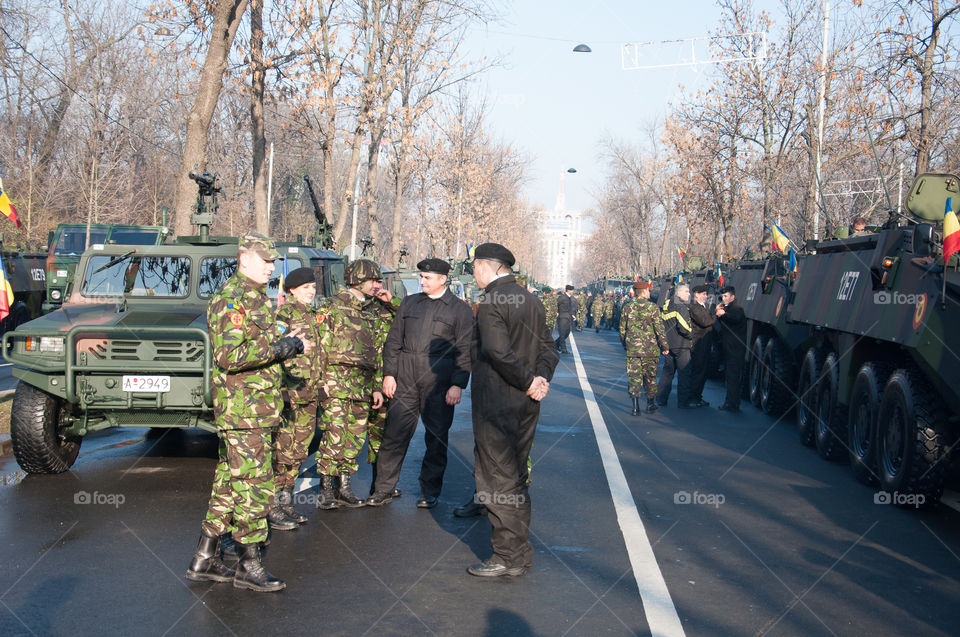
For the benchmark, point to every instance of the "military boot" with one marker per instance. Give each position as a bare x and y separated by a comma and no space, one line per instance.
327,499
285,502
228,545
207,566
279,521
636,405
251,574
345,492
652,405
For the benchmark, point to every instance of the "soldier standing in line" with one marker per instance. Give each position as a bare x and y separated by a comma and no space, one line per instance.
581,310
550,307
676,321
426,365
386,313
643,336
302,380
608,303
596,311
352,363
566,310
247,346
702,323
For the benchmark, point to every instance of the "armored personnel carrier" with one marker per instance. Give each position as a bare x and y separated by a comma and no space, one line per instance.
130,348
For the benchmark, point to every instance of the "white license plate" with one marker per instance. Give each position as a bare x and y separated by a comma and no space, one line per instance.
146,383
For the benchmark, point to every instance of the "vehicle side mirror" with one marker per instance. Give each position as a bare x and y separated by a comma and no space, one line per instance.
923,242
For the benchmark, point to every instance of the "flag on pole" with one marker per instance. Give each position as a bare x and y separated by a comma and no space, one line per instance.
6,292
681,253
679,278
951,231
471,249
780,239
6,207
793,261
281,295
719,275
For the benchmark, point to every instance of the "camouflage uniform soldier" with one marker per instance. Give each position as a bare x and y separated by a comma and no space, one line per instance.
550,306
608,303
247,346
302,382
643,336
581,310
386,312
351,339
596,311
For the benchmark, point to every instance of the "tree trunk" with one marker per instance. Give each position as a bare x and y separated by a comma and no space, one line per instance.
225,22
257,135
370,196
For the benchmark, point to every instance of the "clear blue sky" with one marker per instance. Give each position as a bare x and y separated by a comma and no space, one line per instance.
556,105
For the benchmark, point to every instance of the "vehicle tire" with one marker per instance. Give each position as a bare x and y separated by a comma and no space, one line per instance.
862,420
807,395
913,437
756,369
831,420
20,314
37,432
777,378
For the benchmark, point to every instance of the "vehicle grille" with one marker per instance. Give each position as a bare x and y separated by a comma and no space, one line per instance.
143,351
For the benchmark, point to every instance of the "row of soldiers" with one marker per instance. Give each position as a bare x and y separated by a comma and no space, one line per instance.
683,331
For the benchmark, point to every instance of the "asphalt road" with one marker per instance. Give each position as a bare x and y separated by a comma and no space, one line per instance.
751,534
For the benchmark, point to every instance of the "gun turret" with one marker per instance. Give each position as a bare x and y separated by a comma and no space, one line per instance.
206,208
323,237
367,244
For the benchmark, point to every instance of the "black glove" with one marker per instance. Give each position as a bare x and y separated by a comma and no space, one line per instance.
287,347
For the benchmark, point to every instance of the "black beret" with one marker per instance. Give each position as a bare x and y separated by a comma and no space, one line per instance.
697,289
570,287
298,277
437,266
728,288
494,252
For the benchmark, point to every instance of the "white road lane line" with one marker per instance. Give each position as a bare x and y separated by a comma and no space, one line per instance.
654,596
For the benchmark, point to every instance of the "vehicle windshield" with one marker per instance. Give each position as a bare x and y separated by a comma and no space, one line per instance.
74,240
214,272
412,285
134,236
132,275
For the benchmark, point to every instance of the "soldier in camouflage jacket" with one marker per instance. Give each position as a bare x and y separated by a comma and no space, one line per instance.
643,336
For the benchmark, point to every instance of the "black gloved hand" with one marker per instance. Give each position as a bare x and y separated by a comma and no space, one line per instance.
287,347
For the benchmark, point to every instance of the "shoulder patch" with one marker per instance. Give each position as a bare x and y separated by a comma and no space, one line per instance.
236,318
282,326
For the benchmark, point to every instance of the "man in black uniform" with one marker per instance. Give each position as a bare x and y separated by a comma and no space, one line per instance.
675,313
566,311
701,320
734,338
426,364
513,361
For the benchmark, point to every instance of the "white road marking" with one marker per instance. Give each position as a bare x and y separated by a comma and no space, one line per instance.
654,596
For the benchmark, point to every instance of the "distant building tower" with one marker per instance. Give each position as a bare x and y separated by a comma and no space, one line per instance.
563,240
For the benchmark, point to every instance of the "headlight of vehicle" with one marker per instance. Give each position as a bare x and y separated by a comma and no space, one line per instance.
55,295
51,345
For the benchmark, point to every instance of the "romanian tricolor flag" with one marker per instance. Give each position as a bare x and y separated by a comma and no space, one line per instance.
681,253
793,261
6,292
951,231
679,278
780,239
6,207
719,275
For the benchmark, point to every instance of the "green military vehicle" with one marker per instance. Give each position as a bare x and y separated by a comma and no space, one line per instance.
68,242
25,272
130,348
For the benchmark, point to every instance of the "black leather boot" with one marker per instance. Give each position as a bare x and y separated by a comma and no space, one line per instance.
327,499
228,546
278,520
345,493
636,405
285,502
652,405
207,566
251,574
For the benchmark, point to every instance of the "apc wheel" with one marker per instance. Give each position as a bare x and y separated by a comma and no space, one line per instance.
756,369
777,377
831,421
862,420
37,432
912,436
807,400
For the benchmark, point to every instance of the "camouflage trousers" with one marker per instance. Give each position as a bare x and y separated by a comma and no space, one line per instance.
243,489
642,370
291,441
376,423
344,423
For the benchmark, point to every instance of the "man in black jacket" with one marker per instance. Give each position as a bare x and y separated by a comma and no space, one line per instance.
426,364
701,320
734,338
513,361
676,322
566,311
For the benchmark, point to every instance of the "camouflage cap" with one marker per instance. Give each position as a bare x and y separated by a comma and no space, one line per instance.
361,270
263,246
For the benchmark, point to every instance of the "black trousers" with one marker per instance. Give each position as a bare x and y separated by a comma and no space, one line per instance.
677,361
502,445
699,359
734,364
563,329
408,405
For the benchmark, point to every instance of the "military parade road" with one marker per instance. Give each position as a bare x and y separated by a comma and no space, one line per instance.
695,522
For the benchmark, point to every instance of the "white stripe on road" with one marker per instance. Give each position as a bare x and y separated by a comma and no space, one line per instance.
661,614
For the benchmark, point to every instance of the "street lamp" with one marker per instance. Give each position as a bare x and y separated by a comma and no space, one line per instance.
571,170
582,48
